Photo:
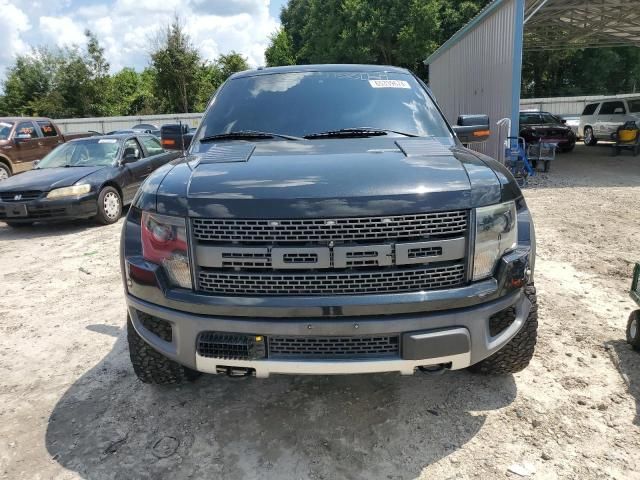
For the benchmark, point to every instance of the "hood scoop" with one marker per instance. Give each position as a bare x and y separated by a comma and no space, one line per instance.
232,153
423,147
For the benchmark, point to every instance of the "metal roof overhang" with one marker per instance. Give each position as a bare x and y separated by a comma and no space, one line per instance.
561,24
564,24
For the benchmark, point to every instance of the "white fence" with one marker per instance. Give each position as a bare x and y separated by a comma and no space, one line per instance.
108,124
567,105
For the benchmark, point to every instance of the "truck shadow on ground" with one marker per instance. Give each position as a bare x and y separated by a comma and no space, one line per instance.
627,361
109,425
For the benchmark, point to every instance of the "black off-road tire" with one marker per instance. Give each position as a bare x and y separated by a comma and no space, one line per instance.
107,213
633,330
150,366
515,355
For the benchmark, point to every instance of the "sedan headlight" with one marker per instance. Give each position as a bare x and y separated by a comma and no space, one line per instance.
496,234
71,191
164,242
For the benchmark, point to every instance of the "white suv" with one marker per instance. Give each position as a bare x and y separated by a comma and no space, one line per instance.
600,120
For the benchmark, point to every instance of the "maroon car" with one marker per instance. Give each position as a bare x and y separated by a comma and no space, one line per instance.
546,127
24,140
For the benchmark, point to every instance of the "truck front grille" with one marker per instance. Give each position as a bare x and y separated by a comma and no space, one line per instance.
237,346
442,224
346,283
339,256
333,347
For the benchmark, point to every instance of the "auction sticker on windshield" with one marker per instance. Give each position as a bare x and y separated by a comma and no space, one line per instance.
389,84
107,140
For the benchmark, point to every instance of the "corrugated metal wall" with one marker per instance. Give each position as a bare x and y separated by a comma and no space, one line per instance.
567,105
474,75
108,124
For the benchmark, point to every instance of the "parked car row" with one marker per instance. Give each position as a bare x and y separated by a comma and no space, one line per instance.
90,177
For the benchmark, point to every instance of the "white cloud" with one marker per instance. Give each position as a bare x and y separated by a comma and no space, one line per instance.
13,23
126,28
62,31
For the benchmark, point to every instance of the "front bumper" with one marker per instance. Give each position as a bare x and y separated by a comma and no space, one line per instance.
455,338
43,210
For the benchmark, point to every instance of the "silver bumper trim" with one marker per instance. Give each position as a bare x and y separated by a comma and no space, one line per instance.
264,368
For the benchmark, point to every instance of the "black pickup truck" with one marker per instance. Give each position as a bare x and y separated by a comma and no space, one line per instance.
328,220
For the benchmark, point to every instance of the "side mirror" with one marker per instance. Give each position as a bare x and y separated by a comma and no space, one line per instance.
472,128
35,163
564,121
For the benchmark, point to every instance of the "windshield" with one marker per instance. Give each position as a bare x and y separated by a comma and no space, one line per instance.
548,118
304,103
89,153
5,130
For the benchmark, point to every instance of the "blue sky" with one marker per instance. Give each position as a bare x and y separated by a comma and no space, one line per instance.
126,28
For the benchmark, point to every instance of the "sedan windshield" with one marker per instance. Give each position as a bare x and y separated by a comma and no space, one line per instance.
308,103
87,153
5,130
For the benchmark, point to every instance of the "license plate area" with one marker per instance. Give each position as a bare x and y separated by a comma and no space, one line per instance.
16,210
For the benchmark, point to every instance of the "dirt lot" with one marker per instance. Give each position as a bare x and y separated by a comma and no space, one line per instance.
70,406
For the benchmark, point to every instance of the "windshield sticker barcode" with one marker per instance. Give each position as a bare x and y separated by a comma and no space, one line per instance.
389,84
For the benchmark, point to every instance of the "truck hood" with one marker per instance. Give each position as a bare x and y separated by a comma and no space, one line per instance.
321,178
46,179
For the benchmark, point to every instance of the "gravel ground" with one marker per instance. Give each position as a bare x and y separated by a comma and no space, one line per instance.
70,406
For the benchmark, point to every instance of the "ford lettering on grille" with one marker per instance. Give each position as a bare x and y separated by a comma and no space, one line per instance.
352,256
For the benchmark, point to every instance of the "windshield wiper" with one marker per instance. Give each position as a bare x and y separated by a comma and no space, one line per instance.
356,133
245,134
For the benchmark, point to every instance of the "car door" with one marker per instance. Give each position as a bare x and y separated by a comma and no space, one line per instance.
27,143
136,171
50,137
610,117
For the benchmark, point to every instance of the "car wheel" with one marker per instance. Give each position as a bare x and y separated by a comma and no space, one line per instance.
4,172
568,149
589,137
150,366
515,355
633,330
109,206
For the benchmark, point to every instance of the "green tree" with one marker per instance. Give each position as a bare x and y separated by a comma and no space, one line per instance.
280,49
176,63
29,84
396,32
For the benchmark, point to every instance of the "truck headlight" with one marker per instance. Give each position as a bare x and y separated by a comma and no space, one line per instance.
164,242
71,191
496,234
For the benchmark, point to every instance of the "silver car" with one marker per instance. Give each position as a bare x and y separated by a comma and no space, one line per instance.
600,120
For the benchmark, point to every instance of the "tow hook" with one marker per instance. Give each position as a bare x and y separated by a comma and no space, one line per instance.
235,372
435,369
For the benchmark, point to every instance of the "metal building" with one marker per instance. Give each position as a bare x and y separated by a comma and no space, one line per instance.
479,69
